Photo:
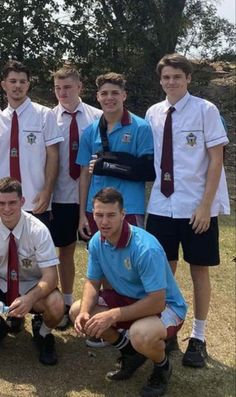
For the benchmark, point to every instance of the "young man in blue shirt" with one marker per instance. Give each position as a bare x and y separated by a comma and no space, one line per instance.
144,297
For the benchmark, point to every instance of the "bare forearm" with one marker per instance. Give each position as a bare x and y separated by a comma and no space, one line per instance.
213,177
84,182
51,168
41,290
90,296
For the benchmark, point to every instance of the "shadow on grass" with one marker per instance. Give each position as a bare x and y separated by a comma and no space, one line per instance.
80,372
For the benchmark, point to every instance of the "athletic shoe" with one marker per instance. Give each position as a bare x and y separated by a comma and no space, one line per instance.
157,383
171,345
36,322
3,328
128,365
195,354
15,324
65,322
46,346
96,342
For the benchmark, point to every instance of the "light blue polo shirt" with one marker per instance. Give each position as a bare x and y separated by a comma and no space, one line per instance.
132,135
135,267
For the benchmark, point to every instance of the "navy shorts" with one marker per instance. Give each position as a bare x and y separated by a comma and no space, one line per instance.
64,223
198,249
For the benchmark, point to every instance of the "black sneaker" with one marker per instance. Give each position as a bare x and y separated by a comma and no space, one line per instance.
46,346
4,329
65,322
157,383
128,365
195,354
36,322
15,324
171,345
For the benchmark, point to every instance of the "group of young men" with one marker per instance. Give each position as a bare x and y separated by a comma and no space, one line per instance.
64,166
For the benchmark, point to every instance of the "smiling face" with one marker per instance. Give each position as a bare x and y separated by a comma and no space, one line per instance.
174,82
109,219
16,86
111,98
67,91
10,209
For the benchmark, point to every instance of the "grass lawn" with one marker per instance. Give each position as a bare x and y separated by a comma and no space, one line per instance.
80,371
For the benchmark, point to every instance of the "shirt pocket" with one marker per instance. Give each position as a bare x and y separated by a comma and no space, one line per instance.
32,137
191,140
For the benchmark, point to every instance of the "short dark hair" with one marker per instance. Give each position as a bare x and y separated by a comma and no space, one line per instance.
15,66
10,185
177,61
112,78
66,72
109,195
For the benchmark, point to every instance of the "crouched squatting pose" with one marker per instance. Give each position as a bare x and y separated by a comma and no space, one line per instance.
145,297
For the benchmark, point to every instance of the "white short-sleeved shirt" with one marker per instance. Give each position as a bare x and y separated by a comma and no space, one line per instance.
37,130
66,188
196,127
35,251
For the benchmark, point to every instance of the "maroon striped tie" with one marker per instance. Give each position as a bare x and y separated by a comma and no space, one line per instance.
167,173
13,271
14,149
74,169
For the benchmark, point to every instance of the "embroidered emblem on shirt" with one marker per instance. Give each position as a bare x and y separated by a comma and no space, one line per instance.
127,263
26,263
14,152
74,146
126,138
167,177
13,275
31,138
191,139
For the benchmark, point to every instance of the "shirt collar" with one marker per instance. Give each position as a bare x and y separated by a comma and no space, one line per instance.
126,118
17,231
79,108
126,234
20,108
179,105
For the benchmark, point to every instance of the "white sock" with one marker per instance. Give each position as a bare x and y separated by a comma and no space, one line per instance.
68,299
44,330
198,330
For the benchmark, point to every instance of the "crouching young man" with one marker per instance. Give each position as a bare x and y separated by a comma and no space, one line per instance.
145,297
28,271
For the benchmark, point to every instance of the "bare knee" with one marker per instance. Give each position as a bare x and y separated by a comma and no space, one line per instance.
54,304
147,334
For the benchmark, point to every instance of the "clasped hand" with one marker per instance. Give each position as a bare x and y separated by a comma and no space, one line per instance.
93,326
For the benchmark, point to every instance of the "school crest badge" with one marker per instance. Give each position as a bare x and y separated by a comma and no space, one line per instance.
167,177
127,263
31,138
14,152
26,263
126,138
191,139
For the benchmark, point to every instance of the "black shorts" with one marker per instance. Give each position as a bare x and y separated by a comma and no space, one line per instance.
198,249
64,223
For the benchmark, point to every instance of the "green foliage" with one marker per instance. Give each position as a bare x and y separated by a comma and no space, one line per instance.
126,36
203,32
30,32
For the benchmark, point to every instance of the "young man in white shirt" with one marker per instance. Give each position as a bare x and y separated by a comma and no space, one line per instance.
35,274
188,215
65,206
38,137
